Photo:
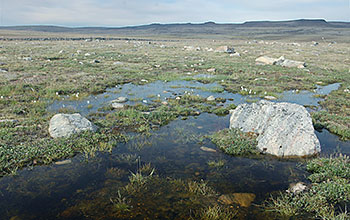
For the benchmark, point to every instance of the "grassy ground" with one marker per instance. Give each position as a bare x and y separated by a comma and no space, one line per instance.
327,197
38,72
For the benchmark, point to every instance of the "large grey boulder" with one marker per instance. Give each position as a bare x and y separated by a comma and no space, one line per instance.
284,129
64,125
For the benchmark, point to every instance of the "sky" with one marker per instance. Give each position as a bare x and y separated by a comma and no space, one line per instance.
117,13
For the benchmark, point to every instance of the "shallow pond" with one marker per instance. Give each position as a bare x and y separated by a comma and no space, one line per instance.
85,189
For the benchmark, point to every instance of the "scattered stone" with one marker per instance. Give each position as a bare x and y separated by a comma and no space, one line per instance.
211,98
207,149
63,162
27,58
116,105
87,54
270,97
61,51
211,70
242,199
264,60
78,51
120,100
178,98
118,63
95,61
64,125
235,54
284,129
296,188
225,49
165,103
189,48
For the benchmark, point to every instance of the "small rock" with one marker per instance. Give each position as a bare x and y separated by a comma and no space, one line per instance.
63,162
264,60
207,149
165,103
118,63
268,97
95,61
178,98
211,98
116,105
243,199
27,58
211,70
87,54
235,54
225,49
120,100
296,188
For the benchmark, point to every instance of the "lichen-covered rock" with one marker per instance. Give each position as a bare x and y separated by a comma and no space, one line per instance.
284,129
64,125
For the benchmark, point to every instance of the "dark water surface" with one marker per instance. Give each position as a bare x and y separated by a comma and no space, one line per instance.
78,190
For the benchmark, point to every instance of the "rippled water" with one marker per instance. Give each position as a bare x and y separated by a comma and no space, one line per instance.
58,191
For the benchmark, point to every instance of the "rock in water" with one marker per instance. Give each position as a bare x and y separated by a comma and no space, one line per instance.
284,129
120,100
242,199
211,98
64,125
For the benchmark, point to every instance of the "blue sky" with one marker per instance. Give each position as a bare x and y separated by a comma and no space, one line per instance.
136,12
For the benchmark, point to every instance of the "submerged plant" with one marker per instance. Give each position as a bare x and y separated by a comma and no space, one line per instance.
218,213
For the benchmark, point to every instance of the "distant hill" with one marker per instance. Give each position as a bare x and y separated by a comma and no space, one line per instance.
260,28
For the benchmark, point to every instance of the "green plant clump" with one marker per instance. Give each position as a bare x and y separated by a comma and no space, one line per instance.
327,197
235,142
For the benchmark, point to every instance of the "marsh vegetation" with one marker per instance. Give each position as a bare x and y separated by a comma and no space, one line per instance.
144,161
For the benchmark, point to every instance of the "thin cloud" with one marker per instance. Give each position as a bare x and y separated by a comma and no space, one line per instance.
123,12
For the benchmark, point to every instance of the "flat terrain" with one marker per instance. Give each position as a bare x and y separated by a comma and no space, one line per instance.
35,73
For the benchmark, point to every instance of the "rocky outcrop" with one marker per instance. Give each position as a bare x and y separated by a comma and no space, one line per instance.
64,125
284,129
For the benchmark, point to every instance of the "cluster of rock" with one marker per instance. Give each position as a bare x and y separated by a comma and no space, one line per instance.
264,60
284,129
